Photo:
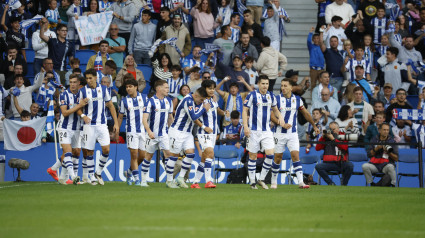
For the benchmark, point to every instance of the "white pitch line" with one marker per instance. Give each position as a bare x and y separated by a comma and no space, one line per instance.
20,185
270,230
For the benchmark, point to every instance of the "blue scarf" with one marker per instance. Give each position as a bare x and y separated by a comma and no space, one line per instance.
239,103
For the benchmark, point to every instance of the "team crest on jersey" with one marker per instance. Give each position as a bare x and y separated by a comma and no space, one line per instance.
268,97
246,101
293,100
62,102
190,108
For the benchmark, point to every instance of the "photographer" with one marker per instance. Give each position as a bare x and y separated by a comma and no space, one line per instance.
335,156
382,157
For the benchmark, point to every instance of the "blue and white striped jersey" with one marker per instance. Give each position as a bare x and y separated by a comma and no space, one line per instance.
103,7
173,4
95,108
209,118
419,131
379,29
175,86
187,112
235,34
158,110
351,67
100,76
133,108
190,63
52,14
3,94
260,109
289,108
71,122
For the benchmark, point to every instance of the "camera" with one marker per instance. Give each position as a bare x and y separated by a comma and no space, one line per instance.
327,131
388,148
348,137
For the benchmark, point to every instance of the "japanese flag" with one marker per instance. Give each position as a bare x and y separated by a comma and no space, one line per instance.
23,135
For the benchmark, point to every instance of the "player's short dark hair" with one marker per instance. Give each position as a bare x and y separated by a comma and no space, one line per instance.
235,115
159,83
103,42
127,76
208,83
83,81
263,77
131,82
265,41
111,64
146,12
74,76
25,113
393,50
202,92
91,72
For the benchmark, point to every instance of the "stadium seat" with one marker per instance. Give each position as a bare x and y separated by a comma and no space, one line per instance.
223,154
30,54
358,157
147,72
287,157
84,56
309,162
407,162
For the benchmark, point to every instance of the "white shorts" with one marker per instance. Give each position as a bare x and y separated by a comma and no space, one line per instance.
159,143
207,140
136,141
92,133
69,137
260,141
180,141
289,140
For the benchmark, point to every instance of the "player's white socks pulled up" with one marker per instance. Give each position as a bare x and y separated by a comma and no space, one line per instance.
135,174
275,172
186,164
207,170
102,162
57,165
298,169
67,160
251,170
64,172
85,169
266,166
90,165
170,167
145,169
75,162
199,173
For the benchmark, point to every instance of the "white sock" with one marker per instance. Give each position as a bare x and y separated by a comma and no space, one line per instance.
199,173
135,174
207,170
75,162
69,165
57,165
145,169
275,172
63,173
298,168
85,169
186,164
170,168
266,166
90,166
251,170
102,161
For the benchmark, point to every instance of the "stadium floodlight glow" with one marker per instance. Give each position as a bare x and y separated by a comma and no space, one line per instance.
19,164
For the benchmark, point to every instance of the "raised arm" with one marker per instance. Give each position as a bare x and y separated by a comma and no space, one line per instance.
219,91
43,28
3,18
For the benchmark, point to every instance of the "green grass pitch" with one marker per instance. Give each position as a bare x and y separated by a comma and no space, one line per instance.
116,210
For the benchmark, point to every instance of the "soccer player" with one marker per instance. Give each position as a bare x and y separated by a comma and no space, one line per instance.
207,136
181,138
286,134
69,128
95,128
259,103
132,107
158,116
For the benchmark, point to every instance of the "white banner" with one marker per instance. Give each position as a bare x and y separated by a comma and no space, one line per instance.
23,135
93,29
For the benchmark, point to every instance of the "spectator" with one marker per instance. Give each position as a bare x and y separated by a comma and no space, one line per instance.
3,94
269,61
421,102
320,120
130,67
379,106
302,87
233,99
348,95
406,51
334,61
244,48
163,22
362,110
12,58
122,88
335,156
203,23
321,20
73,12
256,8
93,8
379,24
107,72
248,24
234,27
180,8
401,103
10,80
235,74
224,14
367,87
124,13
359,59
382,157
115,138
45,92
226,45
329,106
317,61
176,81
372,129
184,90
75,64
183,40
189,63
324,83
231,133
117,45
370,8
13,34
62,9
340,8
41,49
252,73
387,96
142,38
335,30
48,67
104,5
194,81
161,68
270,26
98,60
362,28
347,123
419,131
402,133
59,49
25,94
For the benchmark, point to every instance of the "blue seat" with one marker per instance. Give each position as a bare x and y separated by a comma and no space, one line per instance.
147,72
408,161
30,54
358,157
84,56
223,154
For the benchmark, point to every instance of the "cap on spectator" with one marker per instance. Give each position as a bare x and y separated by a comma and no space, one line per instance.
359,66
177,15
388,85
236,56
336,18
290,73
